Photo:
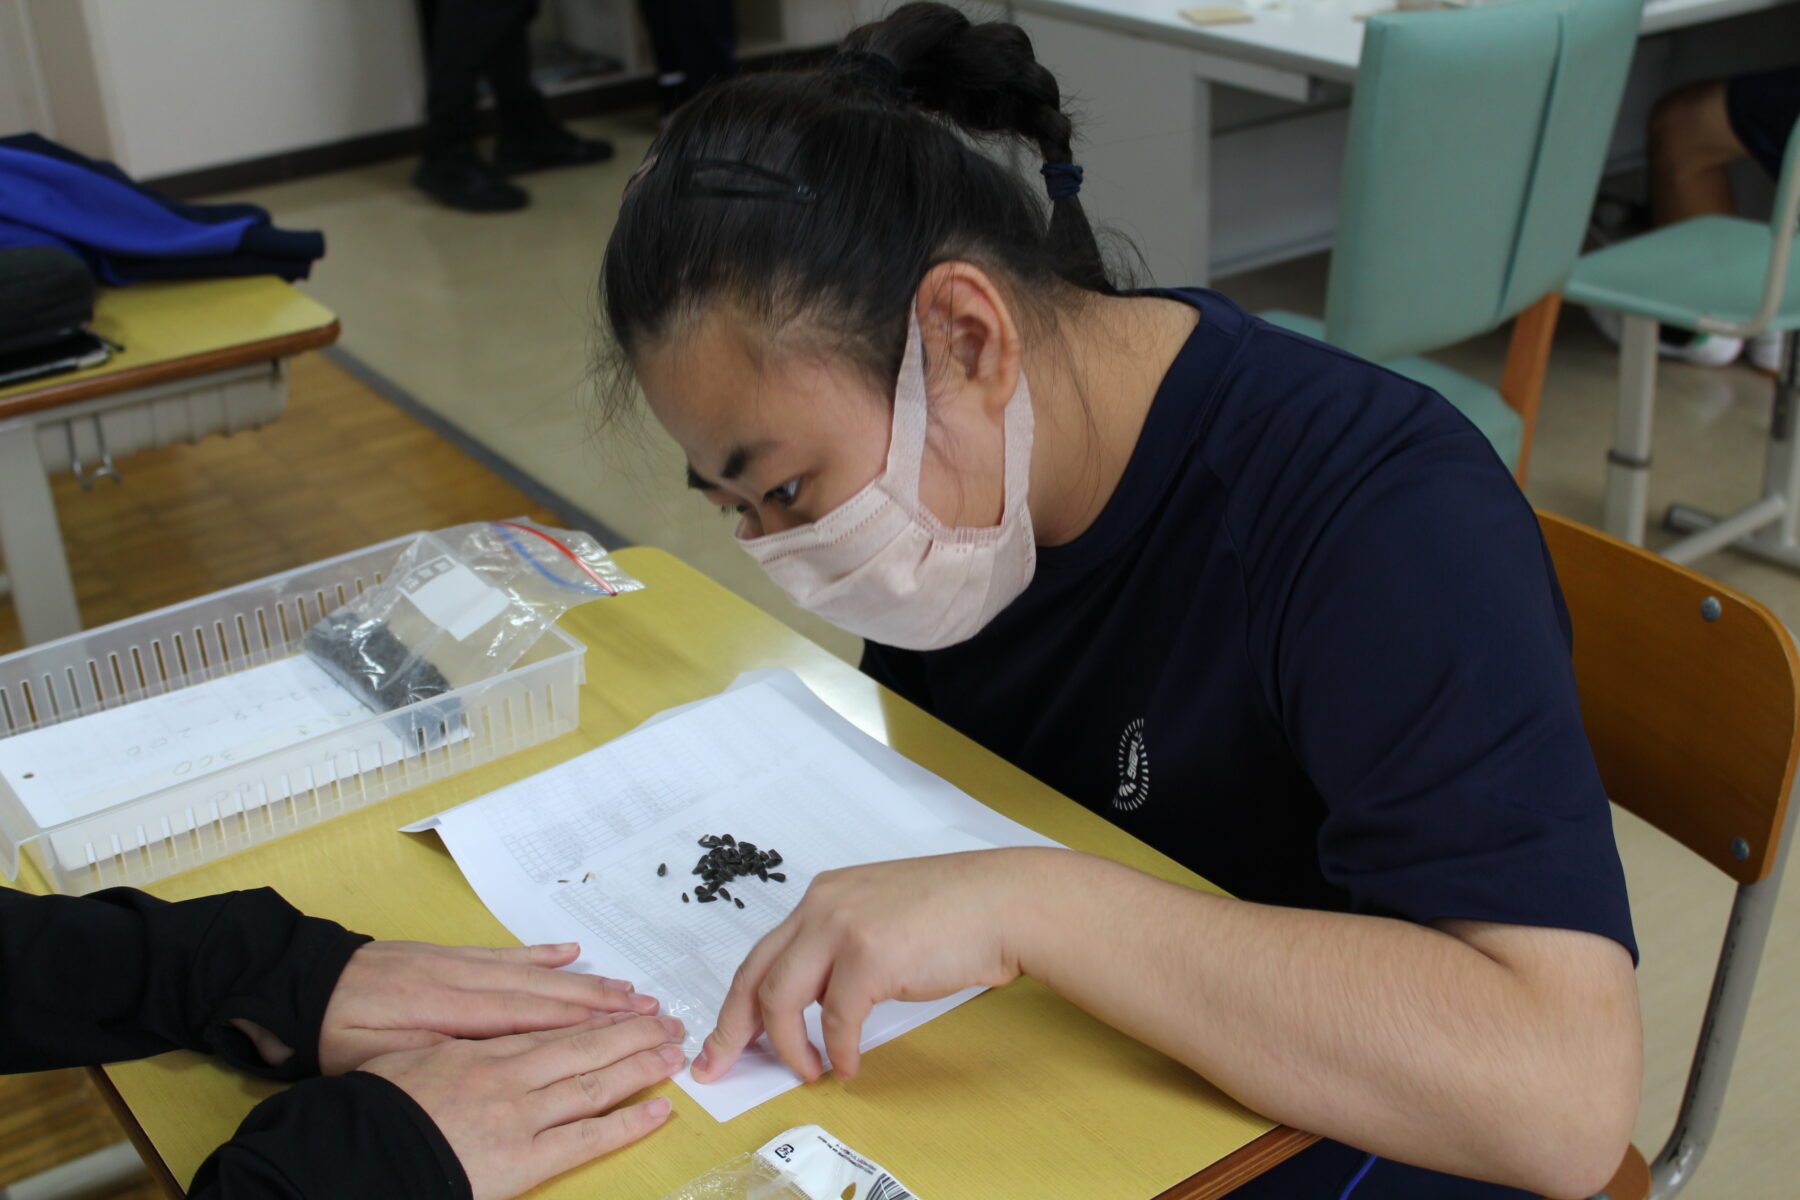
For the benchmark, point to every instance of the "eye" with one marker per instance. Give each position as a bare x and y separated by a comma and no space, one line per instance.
786,494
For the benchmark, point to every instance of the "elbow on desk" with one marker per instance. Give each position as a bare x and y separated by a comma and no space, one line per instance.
1572,1142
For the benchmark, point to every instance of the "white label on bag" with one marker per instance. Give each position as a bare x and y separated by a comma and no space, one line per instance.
822,1168
452,596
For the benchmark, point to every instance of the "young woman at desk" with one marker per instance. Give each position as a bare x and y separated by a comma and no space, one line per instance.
1277,611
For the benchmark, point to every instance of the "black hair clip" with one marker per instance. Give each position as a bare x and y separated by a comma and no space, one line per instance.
729,179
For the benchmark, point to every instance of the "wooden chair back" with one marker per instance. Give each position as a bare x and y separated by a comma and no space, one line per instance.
1689,694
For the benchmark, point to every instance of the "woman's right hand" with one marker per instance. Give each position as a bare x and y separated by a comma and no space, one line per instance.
520,1109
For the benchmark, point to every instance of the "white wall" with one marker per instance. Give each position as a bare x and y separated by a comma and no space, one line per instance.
195,83
23,105
167,86
63,60
185,84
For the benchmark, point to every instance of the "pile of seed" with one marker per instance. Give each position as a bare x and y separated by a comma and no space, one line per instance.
726,861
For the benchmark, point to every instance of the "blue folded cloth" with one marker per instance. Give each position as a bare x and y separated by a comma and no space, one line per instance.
126,233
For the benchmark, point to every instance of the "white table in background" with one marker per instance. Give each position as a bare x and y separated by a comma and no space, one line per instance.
1217,149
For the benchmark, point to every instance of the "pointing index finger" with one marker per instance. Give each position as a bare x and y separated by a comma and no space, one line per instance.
740,1016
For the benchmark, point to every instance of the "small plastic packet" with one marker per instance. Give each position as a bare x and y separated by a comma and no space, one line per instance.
460,605
804,1163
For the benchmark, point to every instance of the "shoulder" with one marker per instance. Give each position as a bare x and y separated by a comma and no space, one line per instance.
1311,446
1300,400
1280,418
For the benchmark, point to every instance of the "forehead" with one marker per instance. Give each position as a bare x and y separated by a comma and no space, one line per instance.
718,383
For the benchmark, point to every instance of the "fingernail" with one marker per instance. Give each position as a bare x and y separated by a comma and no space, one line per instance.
672,1055
702,1062
657,1108
618,985
645,1004
562,946
673,1027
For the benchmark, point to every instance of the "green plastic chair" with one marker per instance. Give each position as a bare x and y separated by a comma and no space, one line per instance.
1477,137
1721,275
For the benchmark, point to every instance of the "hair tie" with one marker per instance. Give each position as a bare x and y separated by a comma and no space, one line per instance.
1061,179
878,71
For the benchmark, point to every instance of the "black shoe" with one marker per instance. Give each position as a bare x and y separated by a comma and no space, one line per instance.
552,146
465,182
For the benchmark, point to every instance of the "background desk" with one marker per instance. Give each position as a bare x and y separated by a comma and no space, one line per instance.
1016,1093
1217,149
199,357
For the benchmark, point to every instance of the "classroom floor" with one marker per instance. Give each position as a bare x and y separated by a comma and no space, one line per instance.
488,324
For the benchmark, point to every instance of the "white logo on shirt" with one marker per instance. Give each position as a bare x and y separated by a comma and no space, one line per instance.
1134,769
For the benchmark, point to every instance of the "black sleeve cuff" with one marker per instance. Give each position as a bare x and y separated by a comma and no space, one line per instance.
287,997
121,974
345,1135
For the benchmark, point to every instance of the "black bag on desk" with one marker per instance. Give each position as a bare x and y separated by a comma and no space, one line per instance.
46,295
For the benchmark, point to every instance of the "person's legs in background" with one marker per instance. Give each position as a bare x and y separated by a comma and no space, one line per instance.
531,139
694,41
1761,111
1691,145
1696,133
462,35
467,40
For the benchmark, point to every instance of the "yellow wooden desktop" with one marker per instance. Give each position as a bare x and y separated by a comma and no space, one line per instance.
1015,1094
183,329
198,357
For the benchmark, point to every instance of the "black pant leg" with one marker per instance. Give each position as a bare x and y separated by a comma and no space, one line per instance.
696,39
467,37
523,110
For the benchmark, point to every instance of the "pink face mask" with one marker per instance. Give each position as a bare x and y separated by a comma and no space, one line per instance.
880,565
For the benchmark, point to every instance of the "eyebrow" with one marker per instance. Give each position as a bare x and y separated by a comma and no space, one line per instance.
735,462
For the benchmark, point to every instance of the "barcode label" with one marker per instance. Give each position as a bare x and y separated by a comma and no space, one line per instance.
817,1166
888,1188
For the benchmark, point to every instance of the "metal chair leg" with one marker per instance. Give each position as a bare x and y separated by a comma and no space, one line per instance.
1768,528
1628,462
1746,934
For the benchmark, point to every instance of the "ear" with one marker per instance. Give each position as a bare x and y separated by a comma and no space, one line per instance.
971,342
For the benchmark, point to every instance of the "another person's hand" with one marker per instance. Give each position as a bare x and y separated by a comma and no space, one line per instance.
518,1110
912,929
407,995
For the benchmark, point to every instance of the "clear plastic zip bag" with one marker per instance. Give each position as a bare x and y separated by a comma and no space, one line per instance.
461,605
804,1163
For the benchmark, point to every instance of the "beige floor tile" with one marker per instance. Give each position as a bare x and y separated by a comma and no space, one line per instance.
491,321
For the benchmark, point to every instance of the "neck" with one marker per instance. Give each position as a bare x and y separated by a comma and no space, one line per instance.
1091,389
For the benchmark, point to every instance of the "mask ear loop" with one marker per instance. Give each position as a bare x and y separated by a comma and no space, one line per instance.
1020,423
912,412
906,449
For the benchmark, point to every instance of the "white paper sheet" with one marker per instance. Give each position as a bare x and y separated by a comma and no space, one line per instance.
571,853
79,767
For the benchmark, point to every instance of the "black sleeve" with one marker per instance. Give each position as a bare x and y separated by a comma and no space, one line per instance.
341,1135
120,974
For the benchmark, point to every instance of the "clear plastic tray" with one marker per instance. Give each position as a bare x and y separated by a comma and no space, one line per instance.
218,811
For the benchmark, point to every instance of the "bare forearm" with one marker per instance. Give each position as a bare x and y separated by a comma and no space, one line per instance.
1398,1038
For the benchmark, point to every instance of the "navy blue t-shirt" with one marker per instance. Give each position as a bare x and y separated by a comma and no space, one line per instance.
1314,649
